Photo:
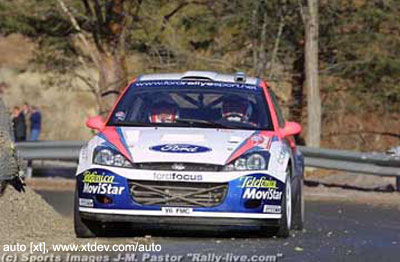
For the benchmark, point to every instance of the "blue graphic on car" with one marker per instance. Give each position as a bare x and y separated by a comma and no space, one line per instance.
180,148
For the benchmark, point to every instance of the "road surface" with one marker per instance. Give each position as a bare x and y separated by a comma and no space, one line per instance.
335,231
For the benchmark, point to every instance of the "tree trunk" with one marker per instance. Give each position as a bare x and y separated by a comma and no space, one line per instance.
312,82
298,80
112,68
109,54
112,78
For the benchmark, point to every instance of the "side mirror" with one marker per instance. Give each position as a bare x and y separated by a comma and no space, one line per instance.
291,129
95,122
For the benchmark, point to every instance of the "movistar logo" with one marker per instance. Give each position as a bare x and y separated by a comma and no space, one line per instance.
270,194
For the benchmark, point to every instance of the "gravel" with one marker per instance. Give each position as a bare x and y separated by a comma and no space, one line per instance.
27,217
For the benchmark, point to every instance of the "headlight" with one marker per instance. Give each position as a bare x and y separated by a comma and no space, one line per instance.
240,164
108,157
249,162
256,162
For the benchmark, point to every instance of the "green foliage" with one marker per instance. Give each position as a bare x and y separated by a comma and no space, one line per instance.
361,43
359,40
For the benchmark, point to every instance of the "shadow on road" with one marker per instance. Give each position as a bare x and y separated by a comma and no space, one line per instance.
385,189
128,230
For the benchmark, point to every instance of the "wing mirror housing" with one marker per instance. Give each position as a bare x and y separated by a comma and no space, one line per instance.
291,129
96,123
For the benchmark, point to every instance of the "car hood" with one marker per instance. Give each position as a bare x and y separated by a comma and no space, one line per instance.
194,145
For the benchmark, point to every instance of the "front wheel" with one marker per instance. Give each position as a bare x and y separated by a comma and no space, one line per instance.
298,212
285,222
81,228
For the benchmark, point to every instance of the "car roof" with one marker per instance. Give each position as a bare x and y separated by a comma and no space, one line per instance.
238,77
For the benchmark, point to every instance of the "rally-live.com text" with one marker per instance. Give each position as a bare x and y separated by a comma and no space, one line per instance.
139,257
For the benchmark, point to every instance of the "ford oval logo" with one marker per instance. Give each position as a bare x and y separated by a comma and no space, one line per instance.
180,148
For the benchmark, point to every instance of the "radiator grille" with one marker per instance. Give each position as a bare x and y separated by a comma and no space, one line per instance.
177,194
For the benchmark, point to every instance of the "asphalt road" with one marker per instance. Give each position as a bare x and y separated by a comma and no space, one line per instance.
335,231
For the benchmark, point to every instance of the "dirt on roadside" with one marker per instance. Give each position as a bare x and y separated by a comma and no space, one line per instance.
27,217
51,184
381,199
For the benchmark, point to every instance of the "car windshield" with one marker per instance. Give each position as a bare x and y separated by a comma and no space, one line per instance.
171,103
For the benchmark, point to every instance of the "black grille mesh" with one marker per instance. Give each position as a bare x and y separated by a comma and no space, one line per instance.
177,194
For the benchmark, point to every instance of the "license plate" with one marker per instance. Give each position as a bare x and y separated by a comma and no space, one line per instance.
177,211
85,202
272,209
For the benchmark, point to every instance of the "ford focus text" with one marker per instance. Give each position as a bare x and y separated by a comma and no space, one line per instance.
194,149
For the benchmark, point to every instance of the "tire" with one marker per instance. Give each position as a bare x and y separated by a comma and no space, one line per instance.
298,211
286,207
80,225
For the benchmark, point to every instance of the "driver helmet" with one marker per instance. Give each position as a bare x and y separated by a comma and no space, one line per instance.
236,108
164,111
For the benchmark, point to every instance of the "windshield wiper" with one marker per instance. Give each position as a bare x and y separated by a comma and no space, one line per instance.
134,124
201,122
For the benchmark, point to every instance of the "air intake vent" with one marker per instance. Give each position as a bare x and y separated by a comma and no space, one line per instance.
179,166
196,78
177,194
199,75
240,77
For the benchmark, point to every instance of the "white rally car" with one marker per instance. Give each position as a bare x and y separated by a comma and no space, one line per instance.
193,149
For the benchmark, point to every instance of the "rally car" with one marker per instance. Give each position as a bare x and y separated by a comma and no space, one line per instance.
195,149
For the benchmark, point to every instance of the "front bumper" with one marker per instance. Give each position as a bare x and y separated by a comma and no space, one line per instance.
181,222
250,196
